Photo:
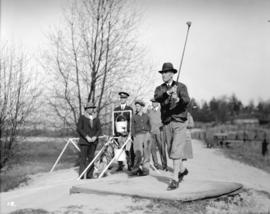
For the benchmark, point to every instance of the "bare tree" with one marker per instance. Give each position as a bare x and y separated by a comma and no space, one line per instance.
18,97
95,55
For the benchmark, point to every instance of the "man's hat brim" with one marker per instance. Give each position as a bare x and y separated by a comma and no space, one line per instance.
87,107
123,94
169,70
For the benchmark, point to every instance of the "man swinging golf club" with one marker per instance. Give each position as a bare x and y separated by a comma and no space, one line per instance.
174,99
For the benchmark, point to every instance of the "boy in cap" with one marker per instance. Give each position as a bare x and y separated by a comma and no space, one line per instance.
157,138
174,99
89,129
123,136
142,140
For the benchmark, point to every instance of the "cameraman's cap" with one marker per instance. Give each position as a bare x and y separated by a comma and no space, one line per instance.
140,102
89,105
123,94
168,67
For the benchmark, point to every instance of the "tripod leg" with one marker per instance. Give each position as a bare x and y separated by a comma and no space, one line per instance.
93,161
122,149
62,152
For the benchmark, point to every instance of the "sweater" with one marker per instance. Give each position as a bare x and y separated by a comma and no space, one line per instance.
140,124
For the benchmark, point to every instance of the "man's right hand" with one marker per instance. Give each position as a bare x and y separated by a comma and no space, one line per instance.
172,90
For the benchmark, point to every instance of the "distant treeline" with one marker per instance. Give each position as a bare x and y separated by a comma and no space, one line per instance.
225,109
51,132
217,110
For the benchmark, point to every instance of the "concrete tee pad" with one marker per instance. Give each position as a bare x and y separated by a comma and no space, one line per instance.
154,186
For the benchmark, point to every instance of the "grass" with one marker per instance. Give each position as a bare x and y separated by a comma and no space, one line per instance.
249,153
34,155
30,211
245,201
175,207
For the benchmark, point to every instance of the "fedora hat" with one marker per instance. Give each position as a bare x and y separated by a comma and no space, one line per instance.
123,94
168,67
89,105
140,102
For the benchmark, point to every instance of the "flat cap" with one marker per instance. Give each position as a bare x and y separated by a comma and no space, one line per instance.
140,102
89,105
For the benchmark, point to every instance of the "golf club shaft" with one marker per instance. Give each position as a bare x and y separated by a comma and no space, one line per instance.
183,53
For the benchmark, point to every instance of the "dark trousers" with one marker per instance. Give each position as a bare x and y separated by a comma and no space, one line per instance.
130,156
87,154
158,142
138,159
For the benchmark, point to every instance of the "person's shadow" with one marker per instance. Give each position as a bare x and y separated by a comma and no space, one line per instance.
163,178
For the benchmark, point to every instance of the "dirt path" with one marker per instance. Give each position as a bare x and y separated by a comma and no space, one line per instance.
50,192
211,164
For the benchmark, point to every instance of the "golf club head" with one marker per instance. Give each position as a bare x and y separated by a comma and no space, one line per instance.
189,23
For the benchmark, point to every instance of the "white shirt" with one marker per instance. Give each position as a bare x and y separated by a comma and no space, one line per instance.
155,109
89,116
123,106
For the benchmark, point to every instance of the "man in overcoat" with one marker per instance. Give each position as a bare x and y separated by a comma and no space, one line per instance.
174,99
89,129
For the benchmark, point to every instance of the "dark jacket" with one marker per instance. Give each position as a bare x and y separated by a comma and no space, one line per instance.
170,110
126,115
84,129
140,124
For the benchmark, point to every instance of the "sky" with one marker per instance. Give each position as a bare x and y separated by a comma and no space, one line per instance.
228,48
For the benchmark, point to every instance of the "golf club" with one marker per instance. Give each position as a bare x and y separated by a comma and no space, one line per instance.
188,24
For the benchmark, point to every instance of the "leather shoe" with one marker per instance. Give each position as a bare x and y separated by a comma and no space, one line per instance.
181,175
135,171
165,168
120,168
173,185
143,172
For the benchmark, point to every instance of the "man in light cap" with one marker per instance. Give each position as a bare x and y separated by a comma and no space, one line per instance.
142,140
89,130
174,99
123,136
